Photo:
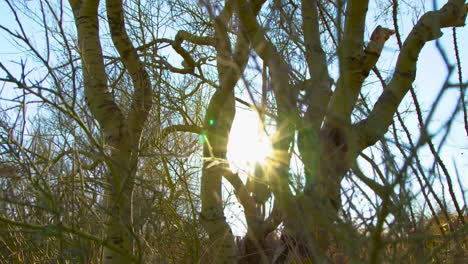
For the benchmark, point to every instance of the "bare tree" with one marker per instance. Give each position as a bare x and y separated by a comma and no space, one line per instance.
319,110
88,155
106,162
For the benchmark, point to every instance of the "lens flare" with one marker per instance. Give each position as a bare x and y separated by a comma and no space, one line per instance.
248,142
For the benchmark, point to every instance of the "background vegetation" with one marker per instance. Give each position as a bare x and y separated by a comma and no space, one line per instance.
115,119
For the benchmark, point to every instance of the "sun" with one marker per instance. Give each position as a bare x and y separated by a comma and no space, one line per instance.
248,142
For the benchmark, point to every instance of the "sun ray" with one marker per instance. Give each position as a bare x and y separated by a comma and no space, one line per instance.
248,142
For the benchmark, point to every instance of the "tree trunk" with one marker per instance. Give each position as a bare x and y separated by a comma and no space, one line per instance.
119,230
255,250
121,132
118,206
222,245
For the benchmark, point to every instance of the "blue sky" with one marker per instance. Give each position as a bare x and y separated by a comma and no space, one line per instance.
429,80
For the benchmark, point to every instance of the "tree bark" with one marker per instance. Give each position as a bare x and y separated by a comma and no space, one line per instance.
122,133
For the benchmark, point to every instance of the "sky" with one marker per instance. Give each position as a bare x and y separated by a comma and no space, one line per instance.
429,80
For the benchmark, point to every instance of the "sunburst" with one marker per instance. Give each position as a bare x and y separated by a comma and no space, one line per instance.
248,142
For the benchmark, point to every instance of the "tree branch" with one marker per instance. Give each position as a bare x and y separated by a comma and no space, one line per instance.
317,89
351,57
142,95
428,28
189,37
100,102
319,92
356,12
180,128
285,94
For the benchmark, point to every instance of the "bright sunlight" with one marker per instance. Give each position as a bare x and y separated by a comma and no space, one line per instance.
248,142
